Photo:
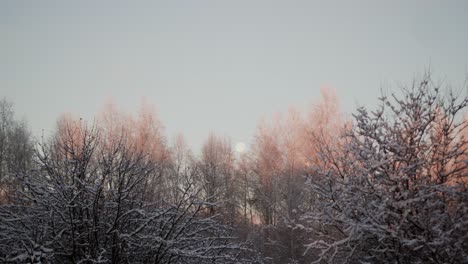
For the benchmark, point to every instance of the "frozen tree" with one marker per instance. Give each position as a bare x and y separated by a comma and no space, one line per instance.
141,134
247,183
16,149
186,232
283,150
394,192
182,169
216,177
267,161
55,213
91,200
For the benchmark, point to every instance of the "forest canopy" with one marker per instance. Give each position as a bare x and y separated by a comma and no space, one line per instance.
384,185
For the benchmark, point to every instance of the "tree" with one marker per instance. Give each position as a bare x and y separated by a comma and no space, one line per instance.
283,151
216,177
182,171
389,194
16,149
89,201
267,166
142,134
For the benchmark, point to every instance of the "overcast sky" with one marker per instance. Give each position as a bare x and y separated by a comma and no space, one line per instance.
219,65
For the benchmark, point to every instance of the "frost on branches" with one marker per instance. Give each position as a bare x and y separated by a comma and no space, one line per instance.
396,191
91,199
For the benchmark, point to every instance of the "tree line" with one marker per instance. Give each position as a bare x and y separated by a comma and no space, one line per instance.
387,185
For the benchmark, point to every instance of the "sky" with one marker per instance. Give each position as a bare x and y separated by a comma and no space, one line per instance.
219,66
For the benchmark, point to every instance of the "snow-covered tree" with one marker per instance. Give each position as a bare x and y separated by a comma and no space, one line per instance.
394,192
16,149
90,201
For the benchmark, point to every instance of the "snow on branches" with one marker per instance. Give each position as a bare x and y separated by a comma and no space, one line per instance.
398,193
91,200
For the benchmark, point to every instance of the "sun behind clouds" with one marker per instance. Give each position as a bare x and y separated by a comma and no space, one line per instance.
240,147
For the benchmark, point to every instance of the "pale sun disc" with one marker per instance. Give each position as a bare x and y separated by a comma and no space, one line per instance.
240,147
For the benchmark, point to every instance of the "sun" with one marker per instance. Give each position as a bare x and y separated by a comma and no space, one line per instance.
240,147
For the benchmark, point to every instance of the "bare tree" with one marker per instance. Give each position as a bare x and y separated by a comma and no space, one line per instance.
182,169
216,177
89,201
16,150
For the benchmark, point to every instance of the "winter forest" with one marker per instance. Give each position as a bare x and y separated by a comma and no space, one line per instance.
381,185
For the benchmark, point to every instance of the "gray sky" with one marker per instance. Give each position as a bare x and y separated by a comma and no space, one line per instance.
219,65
